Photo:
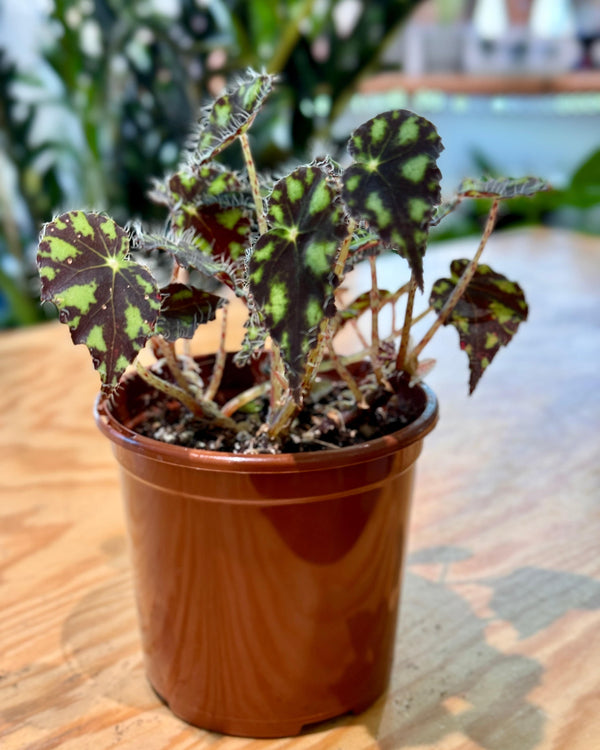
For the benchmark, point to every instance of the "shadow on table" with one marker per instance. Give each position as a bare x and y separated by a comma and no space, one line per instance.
446,678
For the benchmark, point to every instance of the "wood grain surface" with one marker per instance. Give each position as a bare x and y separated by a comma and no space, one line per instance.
498,647
468,83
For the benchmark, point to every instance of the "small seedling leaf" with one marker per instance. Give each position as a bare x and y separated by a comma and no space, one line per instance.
290,266
109,302
487,315
230,115
394,183
183,309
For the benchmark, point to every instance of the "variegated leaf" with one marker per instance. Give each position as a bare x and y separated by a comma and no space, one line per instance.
201,200
183,309
109,302
487,315
230,115
290,268
394,183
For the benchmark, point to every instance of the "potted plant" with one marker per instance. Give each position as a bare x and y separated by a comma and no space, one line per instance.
267,492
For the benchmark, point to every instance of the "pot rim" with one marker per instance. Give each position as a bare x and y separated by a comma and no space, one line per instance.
179,455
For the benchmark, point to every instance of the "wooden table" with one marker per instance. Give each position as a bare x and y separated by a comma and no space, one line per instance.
499,642
580,81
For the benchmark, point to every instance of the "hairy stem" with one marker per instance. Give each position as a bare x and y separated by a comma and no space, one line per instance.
340,263
283,418
277,375
404,340
254,186
463,283
220,357
375,307
359,335
418,318
166,349
202,409
346,376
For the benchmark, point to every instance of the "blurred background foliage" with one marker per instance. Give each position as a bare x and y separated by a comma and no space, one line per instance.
98,96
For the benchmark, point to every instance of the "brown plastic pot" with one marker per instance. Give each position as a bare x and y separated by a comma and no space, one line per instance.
267,586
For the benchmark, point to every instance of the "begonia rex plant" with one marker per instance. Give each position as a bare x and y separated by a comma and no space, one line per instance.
284,250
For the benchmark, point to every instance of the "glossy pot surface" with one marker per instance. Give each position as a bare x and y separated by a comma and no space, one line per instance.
267,586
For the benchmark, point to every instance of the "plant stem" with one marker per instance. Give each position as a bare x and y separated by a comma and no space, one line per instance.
340,263
361,338
346,376
290,408
463,282
202,409
220,357
277,375
375,306
422,315
405,339
167,350
283,418
246,397
254,186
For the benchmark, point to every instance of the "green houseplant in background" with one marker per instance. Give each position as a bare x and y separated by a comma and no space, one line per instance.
267,494
109,98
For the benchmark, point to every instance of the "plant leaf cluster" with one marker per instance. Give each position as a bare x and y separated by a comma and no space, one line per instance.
286,257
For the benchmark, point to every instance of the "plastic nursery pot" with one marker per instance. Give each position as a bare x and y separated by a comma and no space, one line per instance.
267,586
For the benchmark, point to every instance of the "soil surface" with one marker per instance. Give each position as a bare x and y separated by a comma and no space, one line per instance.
329,420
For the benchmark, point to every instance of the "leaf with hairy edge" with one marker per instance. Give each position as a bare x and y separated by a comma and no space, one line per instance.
394,183
254,341
109,302
190,257
183,309
230,115
202,200
290,276
502,188
487,315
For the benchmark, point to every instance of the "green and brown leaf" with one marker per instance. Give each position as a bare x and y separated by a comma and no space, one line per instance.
204,200
394,184
183,309
110,303
230,115
487,315
290,273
